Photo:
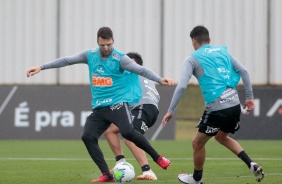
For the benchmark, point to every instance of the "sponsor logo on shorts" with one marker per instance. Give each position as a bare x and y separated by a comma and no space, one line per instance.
102,81
116,106
132,117
237,126
144,127
211,130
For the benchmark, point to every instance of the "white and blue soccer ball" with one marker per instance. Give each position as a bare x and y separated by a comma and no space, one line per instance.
123,172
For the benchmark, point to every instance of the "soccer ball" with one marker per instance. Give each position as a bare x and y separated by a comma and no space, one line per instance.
123,172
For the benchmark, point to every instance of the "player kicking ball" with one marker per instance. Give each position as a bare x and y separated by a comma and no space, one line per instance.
144,115
114,84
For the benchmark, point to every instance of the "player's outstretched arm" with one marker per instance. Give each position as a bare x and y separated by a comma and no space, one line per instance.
33,70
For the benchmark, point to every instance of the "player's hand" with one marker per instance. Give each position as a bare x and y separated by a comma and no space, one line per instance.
166,118
33,70
167,81
249,104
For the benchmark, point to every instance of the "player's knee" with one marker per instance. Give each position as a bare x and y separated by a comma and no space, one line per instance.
112,129
88,138
84,137
127,135
107,132
195,144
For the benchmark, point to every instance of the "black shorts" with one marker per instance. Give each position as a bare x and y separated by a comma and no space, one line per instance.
101,118
226,120
144,116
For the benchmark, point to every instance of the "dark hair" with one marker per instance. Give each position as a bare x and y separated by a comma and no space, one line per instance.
200,34
136,56
105,33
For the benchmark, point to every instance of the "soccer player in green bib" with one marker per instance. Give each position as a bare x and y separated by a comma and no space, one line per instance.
218,73
113,88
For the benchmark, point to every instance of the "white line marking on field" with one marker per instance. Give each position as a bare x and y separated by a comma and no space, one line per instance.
266,174
50,159
87,159
6,101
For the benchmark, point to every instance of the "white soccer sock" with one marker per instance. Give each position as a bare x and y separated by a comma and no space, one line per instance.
121,160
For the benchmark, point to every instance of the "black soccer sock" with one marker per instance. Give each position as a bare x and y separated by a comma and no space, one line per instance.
119,157
198,175
244,156
145,168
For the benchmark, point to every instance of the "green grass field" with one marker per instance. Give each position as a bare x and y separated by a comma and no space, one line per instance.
59,161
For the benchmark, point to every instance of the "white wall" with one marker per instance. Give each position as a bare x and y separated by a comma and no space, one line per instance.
27,38
240,24
135,24
33,32
275,42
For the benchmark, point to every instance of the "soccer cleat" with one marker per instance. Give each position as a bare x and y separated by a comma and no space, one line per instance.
163,162
257,171
188,179
103,178
147,175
